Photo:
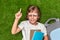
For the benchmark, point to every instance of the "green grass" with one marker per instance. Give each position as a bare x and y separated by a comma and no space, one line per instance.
8,8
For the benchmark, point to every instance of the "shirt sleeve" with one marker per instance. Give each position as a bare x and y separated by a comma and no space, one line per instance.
21,25
44,30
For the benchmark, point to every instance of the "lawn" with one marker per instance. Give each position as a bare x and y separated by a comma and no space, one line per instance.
8,8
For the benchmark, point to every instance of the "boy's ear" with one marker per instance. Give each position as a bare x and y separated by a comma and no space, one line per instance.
26,17
38,17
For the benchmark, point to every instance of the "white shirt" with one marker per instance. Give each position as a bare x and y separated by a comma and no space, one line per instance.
26,26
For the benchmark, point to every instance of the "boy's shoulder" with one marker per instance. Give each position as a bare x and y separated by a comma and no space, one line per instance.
25,21
41,24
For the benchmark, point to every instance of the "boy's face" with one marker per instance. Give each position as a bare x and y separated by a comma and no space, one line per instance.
33,17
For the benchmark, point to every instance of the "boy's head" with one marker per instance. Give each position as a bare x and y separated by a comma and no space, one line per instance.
33,13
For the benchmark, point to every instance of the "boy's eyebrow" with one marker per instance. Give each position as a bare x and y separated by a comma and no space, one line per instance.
32,14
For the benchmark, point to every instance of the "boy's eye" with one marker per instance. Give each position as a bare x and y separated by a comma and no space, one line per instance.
33,15
29,15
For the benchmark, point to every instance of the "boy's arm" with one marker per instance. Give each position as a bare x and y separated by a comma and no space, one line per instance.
15,28
46,37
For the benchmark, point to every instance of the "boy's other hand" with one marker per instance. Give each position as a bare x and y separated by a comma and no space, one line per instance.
18,15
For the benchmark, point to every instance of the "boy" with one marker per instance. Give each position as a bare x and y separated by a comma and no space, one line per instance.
33,15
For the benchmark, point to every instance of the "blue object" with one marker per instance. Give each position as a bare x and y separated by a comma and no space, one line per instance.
55,34
38,35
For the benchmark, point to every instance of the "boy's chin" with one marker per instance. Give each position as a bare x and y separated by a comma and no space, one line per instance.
32,22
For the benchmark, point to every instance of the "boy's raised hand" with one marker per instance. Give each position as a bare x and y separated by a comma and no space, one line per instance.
18,14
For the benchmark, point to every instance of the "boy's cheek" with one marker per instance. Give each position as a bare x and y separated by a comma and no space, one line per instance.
35,18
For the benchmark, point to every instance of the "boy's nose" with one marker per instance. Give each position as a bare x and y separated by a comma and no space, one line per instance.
32,16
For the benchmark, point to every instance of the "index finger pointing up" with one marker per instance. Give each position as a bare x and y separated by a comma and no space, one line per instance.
20,10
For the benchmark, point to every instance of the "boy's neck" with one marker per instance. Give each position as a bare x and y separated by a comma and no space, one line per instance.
34,23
